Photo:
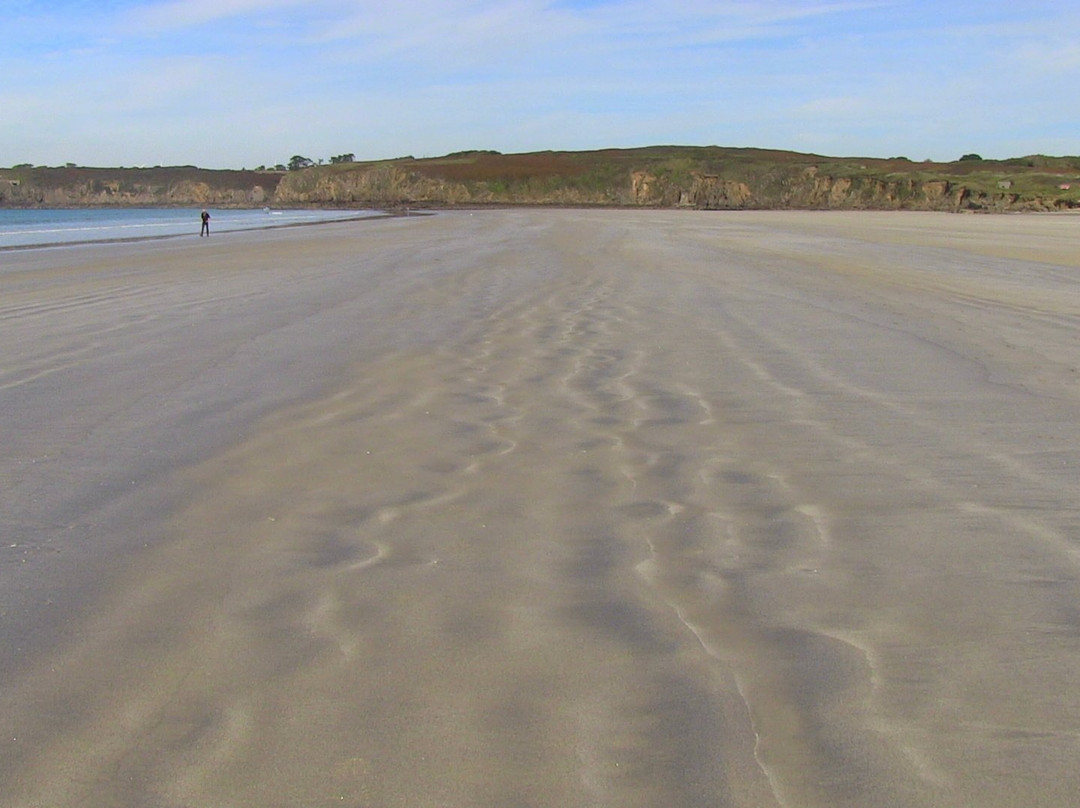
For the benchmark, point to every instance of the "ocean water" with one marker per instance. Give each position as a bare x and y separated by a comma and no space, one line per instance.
25,228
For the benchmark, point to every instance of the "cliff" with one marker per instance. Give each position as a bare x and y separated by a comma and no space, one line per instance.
135,187
661,176
704,178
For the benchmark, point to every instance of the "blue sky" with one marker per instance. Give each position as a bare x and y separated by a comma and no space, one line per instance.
239,83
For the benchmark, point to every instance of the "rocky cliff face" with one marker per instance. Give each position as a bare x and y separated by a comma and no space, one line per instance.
811,190
135,187
712,179
380,186
390,186
395,185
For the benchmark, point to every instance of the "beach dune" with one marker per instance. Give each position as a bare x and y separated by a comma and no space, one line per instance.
545,508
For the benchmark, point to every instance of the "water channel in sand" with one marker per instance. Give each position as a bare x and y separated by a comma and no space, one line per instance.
545,508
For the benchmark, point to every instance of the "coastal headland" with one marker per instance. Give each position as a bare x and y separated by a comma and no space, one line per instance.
709,178
526,507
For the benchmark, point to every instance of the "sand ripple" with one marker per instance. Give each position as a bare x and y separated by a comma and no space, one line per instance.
605,508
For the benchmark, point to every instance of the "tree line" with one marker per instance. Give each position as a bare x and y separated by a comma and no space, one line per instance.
298,161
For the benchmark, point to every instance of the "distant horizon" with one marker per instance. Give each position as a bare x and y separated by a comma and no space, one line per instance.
281,166
225,83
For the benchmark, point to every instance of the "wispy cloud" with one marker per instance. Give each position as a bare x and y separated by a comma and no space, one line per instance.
248,78
177,14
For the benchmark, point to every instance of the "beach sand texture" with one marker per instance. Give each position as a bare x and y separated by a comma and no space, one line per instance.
545,508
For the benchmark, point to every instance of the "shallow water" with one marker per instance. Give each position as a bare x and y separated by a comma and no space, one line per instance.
21,228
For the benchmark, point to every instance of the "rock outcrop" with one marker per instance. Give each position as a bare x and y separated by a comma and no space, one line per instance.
709,178
135,187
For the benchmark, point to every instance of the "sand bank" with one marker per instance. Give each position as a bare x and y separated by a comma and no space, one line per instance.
546,508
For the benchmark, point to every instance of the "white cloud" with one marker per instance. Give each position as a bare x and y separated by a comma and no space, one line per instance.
186,13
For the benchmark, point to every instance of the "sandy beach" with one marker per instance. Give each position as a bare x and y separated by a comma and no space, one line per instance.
545,508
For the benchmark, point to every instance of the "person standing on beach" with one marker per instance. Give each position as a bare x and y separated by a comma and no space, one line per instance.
205,231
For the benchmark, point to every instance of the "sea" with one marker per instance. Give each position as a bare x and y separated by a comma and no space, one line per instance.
34,228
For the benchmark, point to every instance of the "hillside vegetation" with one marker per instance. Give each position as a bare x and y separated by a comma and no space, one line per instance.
660,176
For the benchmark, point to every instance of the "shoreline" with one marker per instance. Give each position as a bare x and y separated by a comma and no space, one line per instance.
435,209
136,239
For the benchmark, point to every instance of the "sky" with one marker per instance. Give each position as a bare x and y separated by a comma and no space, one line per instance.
243,83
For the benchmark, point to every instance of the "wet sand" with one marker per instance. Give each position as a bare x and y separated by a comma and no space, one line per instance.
545,508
